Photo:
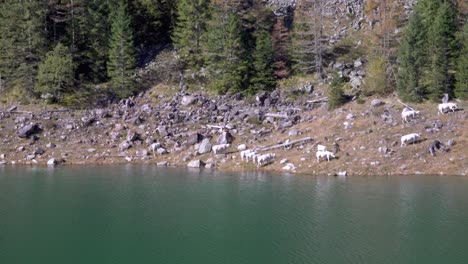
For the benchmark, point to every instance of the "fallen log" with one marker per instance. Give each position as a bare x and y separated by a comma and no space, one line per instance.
288,144
320,100
275,115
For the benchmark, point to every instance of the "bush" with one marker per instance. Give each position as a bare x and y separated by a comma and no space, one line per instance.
336,95
375,80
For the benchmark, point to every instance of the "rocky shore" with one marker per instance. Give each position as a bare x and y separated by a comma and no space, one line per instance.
181,130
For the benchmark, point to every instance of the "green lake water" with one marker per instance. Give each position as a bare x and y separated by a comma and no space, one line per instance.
143,214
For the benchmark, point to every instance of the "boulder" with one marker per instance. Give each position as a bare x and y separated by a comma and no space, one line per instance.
124,145
12,108
342,173
39,151
194,138
132,136
51,145
289,167
142,153
52,162
225,138
188,100
161,151
205,146
196,164
293,133
28,130
162,164
377,102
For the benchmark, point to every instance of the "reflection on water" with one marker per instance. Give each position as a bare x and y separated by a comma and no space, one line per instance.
145,214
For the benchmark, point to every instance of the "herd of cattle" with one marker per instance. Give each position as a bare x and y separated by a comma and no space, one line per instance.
407,114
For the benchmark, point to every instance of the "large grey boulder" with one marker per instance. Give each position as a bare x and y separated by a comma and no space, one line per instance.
225,138
194,138
205,146
28,130
196,164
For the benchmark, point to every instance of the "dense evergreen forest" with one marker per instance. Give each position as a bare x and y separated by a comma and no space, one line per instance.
72,51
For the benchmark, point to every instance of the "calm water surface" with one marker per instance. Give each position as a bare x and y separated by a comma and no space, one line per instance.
148,215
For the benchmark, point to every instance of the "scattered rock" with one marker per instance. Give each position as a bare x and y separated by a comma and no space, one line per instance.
124,145
51,145
141,153
194,138
342,173
205,146
225,138
196,164
162,164
30,156
162,151
377,103
187,100
289,167
283,161
28,130
450,142
91,150
38,151
52,162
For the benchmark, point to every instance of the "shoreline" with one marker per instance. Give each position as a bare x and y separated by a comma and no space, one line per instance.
179,129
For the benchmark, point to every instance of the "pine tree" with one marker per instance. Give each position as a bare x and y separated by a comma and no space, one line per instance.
98,31
121,52
442,41
263,63
461,85
336,94
190,26
411,58
55,75
23,41
223,51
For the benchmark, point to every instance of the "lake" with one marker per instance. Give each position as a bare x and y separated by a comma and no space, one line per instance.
144,214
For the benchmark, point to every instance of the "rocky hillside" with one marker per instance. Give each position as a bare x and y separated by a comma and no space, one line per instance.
178,129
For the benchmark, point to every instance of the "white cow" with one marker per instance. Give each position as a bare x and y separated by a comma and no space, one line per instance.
243,154
154,147
221,147
323,154
321,147
410,138
446,107
408,113
264,159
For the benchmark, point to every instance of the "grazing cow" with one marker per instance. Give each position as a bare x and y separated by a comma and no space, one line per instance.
243,154
408,113
221,147
264,159
410,138
324,154
321,147
446,107
154,147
